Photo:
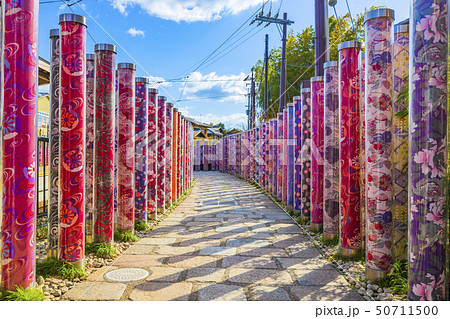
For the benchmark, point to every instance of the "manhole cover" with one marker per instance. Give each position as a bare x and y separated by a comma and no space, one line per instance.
127,274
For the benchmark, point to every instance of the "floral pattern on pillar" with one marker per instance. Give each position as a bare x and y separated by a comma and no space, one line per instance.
306,154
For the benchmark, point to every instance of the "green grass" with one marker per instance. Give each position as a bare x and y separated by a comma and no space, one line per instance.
302,221
52,267
397,279
125,236
140,225
21,294
329,242
102,250
358,258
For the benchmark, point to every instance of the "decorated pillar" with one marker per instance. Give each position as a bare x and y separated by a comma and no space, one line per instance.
331,151
174,152
179,158
285,155
274,143
126,139
362,149
317,163
290,156
161,176
379,166
297,155
269,162
53,207
349,101
19,144
428,182
169,138
400,65
104,127
72,139
141,149
152,153
306,154
280,156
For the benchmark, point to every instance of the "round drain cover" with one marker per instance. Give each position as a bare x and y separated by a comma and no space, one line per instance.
127,274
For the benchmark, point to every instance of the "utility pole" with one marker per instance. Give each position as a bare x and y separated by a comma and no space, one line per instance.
321,35
285,22
266,79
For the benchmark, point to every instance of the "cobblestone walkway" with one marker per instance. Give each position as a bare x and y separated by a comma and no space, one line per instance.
227,241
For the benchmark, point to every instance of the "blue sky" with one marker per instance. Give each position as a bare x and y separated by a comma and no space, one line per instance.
168,39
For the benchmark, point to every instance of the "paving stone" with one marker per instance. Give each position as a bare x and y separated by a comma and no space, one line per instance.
171,250
325,293
161,291
280,243
192,261
156,241
265,293
263,252
143,261
247,243
168,274
259,276
95,291
232,229
200,242
208,219
304,252
168,229
292,229
220,292
99,273
248,262
205,274
140,249
305,263
319,278
218,251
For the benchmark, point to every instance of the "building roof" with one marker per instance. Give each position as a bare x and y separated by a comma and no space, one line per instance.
214,132
194,122
44,71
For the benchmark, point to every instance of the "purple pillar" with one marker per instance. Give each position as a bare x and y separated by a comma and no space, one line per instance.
152,153
297,155
161,177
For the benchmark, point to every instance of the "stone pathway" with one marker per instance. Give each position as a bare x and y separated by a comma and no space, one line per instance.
227,241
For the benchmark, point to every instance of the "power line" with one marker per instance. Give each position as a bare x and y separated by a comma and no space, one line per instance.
211,97
70,7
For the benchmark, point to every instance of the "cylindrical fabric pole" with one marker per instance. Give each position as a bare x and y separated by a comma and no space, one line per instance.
285,155
126,139
400,65
349,100
306,154
161,176
274,144
317,162
53,206
331,151
19,144
104,127
179,159
141,149
257,154
270,156
72,139
280,156
362,148
290,156
297,155
116,149
379,165
428,181
238,154
174,153
152,153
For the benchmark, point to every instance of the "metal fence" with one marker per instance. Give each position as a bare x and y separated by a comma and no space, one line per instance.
42,189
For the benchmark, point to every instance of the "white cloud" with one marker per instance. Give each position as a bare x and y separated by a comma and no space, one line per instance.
225,88
188,10
135,32
236,120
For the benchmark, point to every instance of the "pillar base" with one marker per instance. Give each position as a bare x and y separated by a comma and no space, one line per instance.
89,239
316,227
78,264
160,210
347,252
375,274
290,207
152,216
297,212
328,236
53,253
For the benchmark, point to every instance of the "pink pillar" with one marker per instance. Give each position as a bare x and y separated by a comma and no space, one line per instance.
152,153
72,139
317,132
349,68
161,177
284,194
362,149
104,127
280,156
306,154
19,145
169,136
125,170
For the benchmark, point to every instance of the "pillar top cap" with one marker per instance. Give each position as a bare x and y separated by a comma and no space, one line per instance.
379,13
290,105
105,47
401,28
152,90
168,104
161,98
126,65
330,64
142,79
90,56
175,109
54,33
306,90
71,17
317,79
297,98
349,45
